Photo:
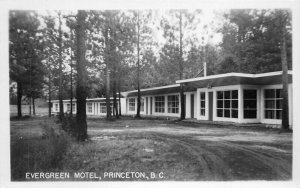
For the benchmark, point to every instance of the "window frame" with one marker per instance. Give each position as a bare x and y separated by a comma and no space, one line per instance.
173,105
159,105
227,101
202,101
275,99
131,107
89,107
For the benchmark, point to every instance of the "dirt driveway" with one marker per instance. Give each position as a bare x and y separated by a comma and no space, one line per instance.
199,151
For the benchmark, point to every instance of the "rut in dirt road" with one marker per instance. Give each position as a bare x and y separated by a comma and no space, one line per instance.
221,160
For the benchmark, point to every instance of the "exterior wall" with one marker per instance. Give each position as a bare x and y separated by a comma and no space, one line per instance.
260,116
187,105
123,106
150,104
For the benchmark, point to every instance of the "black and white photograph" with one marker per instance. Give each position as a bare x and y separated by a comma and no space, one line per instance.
197,94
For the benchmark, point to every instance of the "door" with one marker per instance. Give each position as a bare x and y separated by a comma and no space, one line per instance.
210,106
150,105
192,105
146,105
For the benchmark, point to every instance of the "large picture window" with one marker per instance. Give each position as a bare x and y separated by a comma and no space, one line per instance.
89,107
160,104
273,103
131,104
202,103
250,103
227,104
173,104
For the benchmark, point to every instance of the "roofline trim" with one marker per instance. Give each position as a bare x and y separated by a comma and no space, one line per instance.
88,99
152,88
233,74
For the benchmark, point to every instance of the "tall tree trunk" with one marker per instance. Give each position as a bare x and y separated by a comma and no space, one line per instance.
119,91
29,106
182,104
33,106
71,80
115,95
82,77
285,102
49,98
107,73
19,98
138,111
61,106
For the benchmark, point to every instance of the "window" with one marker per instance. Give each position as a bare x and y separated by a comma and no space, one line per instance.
73,108
131,104
202,103
160,104
227,104
173,104
103,108
68,107
142,105
273,103
56,107
89,107
250,103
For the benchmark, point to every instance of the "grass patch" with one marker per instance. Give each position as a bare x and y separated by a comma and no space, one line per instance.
131,153
38,154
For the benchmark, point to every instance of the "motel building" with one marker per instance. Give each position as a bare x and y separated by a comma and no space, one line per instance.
94,106
229,97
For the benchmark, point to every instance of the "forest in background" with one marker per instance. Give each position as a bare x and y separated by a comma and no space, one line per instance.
99,53
250,44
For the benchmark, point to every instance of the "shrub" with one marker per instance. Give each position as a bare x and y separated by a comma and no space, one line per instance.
68,124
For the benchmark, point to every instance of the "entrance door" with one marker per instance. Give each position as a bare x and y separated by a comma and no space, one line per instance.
150,105
192,105
146,105
210,106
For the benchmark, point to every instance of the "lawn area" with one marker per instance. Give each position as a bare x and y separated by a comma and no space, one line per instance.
40,110
174,150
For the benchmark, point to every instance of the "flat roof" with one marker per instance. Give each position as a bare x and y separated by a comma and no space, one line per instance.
226,79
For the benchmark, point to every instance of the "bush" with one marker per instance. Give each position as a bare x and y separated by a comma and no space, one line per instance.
39,154
68,124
